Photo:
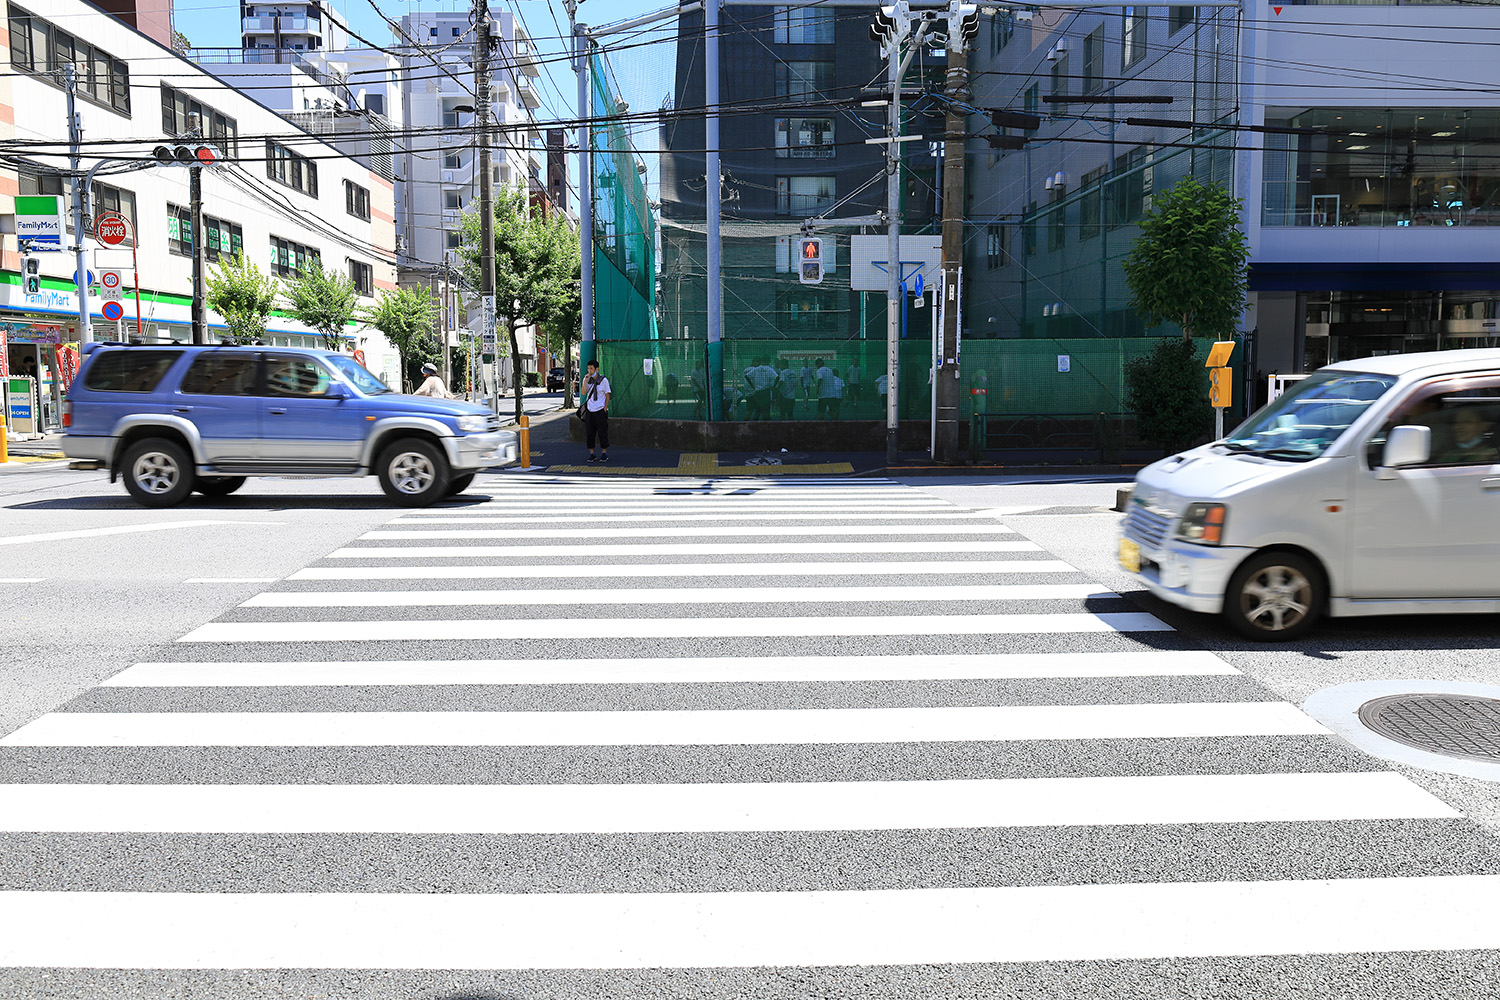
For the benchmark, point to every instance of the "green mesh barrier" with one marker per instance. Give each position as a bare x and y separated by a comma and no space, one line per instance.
624,227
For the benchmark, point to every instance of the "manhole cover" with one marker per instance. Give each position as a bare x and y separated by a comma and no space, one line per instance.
1450,724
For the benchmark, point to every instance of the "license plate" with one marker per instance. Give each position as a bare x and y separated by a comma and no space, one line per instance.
1130,555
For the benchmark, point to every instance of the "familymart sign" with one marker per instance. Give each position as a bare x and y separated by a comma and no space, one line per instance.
39,220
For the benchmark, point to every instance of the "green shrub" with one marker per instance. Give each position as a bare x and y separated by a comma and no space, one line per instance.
1168,392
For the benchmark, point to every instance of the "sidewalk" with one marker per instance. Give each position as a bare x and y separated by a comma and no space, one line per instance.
32,449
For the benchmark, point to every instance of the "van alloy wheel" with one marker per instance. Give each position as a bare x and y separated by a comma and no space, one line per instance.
1275,596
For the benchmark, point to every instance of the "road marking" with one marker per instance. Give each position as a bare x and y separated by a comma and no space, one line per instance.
438,630
676,516
594,596
691,531
671,670
21,579
697,930
717,807
232,579
599,571
747,727
583,546
125,529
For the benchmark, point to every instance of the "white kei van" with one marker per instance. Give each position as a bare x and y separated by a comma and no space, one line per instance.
1371,487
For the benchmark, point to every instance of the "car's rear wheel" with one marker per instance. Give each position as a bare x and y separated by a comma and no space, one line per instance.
460,483
1275,596
158,472
414,473
218,486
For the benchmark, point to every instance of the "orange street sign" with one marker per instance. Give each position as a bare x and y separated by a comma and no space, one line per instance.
1218,355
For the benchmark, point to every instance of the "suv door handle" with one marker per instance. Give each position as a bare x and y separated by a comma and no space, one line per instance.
182,409
277,409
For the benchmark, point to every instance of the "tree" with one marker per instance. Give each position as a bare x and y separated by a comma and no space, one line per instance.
533,265
238,291
1190,263
406,316
324,300
180,43
1167,390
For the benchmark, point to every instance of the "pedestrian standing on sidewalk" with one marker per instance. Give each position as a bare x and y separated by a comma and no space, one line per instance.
596,412
786,391
824,379
431,384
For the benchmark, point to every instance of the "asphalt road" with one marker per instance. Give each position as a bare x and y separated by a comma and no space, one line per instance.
645,738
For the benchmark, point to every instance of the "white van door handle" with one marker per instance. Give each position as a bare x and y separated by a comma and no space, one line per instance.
1492,483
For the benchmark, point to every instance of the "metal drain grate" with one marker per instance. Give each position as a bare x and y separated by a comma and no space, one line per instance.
1450,724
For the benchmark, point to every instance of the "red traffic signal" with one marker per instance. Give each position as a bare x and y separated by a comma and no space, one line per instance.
810,260
184,155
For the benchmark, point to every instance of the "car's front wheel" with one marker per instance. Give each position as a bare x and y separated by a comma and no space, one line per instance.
1275,596
414,473
460,483
158,472
218,486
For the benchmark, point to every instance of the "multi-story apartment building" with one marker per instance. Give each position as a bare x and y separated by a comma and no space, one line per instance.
270,30
280,194
1357,137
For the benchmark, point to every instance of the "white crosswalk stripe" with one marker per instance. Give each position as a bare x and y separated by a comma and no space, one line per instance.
754,725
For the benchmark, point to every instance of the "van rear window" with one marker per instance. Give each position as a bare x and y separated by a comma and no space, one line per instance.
129,370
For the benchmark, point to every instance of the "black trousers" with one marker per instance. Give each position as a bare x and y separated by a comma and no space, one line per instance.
596,424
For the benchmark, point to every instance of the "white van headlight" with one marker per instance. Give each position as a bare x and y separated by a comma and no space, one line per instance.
473,423
1203,523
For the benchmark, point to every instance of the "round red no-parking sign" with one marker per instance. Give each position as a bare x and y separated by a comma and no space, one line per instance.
112,311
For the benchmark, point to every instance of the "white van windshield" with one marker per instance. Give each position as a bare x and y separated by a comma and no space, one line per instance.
1303,421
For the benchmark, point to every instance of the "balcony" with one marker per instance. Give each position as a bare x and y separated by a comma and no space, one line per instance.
526,61
289,25
527,92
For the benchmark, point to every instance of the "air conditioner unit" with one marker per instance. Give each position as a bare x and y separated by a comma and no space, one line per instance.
447,177
401,244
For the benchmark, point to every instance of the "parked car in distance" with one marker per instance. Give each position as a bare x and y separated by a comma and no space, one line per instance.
173,419
1370,487
556,379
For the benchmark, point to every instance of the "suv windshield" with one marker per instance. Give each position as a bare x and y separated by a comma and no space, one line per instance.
358,374
1303,421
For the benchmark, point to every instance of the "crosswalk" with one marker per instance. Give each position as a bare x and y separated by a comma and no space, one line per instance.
715,730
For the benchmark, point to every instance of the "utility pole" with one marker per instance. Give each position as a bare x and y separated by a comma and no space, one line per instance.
579,34
963,25
486,196
195,204
80,193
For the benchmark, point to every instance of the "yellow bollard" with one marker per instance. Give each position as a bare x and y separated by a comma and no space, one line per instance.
4,431
525,426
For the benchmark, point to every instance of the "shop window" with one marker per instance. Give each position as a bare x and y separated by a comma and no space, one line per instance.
290,259
220,238
805,138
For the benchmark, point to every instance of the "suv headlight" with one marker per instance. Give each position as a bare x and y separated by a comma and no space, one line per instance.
1203,523
473,423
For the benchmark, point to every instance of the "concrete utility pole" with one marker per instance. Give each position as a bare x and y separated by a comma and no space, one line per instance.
893,291
195,206
486,195
580,37
80,192
963,24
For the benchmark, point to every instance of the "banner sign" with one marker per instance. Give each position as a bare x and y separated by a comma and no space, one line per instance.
4,356
67,366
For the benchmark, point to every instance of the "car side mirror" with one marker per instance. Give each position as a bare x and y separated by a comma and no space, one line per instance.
336,390
1409,444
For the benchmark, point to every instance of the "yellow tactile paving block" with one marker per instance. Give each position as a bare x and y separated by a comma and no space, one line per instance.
707,464
15,459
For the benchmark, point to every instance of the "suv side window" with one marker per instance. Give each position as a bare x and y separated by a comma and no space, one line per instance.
220,375
295,375
129,370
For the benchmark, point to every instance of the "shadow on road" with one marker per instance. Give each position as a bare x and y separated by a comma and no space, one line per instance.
261,502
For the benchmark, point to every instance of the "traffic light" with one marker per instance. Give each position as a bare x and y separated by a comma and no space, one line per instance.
186,155
963,26
810,260
32,269
892,24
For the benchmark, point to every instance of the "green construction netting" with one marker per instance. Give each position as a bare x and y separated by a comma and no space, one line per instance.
624,226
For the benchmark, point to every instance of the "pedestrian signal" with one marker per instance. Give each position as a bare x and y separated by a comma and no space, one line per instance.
1220,387
32,268
810,260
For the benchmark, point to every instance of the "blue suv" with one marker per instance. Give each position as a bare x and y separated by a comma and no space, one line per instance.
176,418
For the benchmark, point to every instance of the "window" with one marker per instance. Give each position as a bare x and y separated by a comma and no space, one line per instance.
1033,103
33,180
1090,203
1093,61
452,161
1129,188
803,311
453,241
807,78
1135,35
363,276
220,238
288,259
806,25
804,137
455,33
453,199
103,198
295,375
994,256
804,196
432,31
1060,77
357,200
215,374
1057,217
217,126
292,169
132,370
1028,231
1002,29
38,46
1180,17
